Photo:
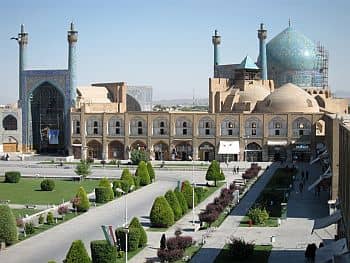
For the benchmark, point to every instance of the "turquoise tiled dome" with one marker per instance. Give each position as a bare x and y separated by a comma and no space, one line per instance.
291,50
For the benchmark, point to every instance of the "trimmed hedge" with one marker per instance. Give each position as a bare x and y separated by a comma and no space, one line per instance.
126,175
83,203
77,253
186,189
150,171
29,228
102,252
49,218
117,184
135,223
105,183
134,235
161,213
136,182
182,201
142,172
102,195
12,177
174,204
214,173
47,185
8,227
200,192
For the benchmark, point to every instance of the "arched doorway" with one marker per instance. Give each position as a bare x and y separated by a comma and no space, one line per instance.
115,150
182,152
76,146
47,115
161,151
253,152
138,145
94,150
9,123
206,151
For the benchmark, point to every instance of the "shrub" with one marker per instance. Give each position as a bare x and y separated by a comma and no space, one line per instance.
12,177
200,192
136,182
179,242
103,252
77,253
83,168
187,191
135,223
105,183
8,229
41,219
82,204
138,155
182,201
117,184
63,209
134,235
51,261
150,171
161,213
50,219
168,255
163,242
174,204
102,195
47,185
214,173
142,173
29,228
239,249
208,217
258,215
126,175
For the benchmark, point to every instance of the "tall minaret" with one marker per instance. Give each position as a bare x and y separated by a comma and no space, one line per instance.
216,39
262,62
22,42
72,40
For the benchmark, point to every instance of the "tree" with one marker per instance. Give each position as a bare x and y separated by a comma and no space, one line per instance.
182,201
126,175
214,172
82,202
135,223
103,252
138,155
77,253
174,204
8,228
163,242
142,173
187,191
105,183
161,213
150,171
83,169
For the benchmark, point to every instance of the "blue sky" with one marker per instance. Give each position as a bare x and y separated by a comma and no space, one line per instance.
165,44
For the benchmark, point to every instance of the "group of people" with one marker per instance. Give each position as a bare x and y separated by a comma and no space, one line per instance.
235,170
5,157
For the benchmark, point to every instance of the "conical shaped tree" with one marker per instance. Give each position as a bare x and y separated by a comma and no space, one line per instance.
83,203
174,204
213,172
182,201
8,228
105,183
77,253
142,172
161,213
143,237
188,193
150,171
127,176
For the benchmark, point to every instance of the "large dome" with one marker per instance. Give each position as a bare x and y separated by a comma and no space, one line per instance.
288,98
291,50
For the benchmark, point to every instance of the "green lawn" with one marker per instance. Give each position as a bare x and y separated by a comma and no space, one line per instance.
27,191
271,222
261,254
19,213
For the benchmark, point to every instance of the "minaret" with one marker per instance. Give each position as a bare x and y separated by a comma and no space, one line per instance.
22,42
72,40
262,63
216,39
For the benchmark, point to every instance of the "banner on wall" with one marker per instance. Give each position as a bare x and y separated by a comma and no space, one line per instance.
53,136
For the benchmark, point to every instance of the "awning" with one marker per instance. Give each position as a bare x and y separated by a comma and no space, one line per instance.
345,258
335,248
277,143
327,221
228,147
76,144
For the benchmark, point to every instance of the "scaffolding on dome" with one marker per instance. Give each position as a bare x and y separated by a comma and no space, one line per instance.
321,74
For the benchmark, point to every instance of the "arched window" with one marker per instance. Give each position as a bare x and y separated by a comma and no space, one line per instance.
206,127
160,126
9,123
278,127
94,126
138,126
183,127
301,126
115,126
229,127
253,127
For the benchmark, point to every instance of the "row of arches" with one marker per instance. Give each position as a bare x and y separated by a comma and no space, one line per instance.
206,127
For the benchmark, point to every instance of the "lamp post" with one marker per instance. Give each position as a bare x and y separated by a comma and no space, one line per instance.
126,221
193,186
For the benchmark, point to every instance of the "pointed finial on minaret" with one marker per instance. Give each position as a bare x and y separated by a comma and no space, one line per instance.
289,23
72,26
22,28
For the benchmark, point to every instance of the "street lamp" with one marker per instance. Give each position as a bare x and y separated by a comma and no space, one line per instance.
193,186
126,221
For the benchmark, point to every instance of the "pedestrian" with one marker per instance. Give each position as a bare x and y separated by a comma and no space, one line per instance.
307,175
234,170
301,187
237,169
302,175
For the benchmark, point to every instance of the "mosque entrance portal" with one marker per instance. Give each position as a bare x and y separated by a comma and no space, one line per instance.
47,115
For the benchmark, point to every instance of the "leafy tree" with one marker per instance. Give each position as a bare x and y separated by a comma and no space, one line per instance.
174,204
142,173
8,228
187,191
258,215
214,172
135,223
126,175
83,168
77,253
182,201
105,183
161,213
150,171
82,203
117,184
138,155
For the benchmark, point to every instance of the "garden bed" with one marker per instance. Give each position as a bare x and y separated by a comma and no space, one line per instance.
261,254
271,222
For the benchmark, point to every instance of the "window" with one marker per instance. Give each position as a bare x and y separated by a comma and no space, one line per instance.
254,132
301,125
277,132
161,124
95,127
77,127
301,132
230,132
9,123
254,125
184,131
139,124
117,131
117,124
277,125
207,125
161,131
230,125
207,131
184,124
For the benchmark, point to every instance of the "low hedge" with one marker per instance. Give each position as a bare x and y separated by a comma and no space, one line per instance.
12,177
102,195
102,252
47,185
